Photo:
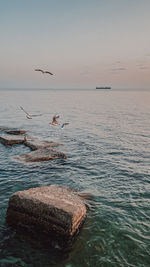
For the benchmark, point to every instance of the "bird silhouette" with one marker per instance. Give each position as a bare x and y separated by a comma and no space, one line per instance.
43,71
29,116
65,123
54,120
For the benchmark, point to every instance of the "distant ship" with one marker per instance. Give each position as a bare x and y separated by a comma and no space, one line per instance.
103,87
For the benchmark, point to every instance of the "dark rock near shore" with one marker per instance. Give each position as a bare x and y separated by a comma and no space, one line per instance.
36,144
51,210
40,150
42,154
12,131
11,141
15,132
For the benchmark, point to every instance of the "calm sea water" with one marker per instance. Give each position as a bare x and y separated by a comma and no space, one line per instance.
108,147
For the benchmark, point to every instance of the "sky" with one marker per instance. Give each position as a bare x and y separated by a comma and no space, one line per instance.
85,43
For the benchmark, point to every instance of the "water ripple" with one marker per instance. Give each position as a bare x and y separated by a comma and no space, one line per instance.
107,144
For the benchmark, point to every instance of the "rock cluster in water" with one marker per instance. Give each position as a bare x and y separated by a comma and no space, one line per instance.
52,210
40,150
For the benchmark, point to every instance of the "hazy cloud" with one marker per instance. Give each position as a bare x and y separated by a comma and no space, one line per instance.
86,72
117,63
140,65
143,68
118,69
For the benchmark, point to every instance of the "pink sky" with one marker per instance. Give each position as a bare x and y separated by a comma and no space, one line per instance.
85,44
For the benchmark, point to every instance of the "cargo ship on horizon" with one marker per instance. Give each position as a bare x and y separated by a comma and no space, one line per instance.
103,87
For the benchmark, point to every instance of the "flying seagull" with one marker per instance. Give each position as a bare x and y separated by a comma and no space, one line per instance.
54,120
29,116
65,123
43,71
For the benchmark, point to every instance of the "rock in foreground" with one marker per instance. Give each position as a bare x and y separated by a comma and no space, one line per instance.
52,209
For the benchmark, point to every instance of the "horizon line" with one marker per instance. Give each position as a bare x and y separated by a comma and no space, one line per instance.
73,88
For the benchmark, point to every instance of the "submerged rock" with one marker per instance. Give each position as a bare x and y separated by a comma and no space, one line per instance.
41,154
38,144
11,141
12,131
15,132
40,150
52,209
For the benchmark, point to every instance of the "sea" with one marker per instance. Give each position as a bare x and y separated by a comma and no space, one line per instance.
107,143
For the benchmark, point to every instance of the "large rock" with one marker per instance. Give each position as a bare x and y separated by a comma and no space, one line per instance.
52,209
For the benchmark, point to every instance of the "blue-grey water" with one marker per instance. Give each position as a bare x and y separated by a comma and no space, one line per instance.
108,155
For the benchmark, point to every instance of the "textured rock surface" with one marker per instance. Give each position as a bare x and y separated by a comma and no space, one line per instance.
12,131
40,150
52,210
36,144
42,154
15,132
11,141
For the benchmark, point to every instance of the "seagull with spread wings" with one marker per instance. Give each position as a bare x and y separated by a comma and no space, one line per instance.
43,71
54,120
29,116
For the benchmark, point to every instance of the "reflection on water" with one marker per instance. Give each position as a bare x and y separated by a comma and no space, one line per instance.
108,145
